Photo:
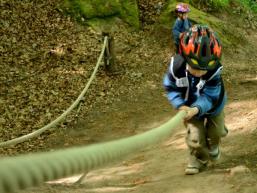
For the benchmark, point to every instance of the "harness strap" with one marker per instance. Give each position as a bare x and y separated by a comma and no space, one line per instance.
180,82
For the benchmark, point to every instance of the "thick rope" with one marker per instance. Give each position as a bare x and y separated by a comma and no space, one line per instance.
29,170
64,114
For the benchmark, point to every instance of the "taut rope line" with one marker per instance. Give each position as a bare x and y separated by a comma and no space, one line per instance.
30,170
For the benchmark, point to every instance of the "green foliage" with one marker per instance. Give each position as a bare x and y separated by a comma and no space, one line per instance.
211,5
249,4
216,5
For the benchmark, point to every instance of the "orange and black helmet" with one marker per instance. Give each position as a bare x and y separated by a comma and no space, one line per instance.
201,47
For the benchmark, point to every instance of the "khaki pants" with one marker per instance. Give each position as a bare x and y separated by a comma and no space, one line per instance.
202,134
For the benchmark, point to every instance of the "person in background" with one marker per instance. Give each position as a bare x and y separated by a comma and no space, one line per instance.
181,24
194,84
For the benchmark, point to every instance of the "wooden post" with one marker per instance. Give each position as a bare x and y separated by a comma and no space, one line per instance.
109,56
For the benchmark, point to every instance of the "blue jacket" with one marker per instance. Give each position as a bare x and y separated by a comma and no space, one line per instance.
206,93
179,27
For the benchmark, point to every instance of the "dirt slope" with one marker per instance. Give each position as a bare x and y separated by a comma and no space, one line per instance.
160,168
37,85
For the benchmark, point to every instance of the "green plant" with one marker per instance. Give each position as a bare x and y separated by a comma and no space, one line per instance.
249,4
210,5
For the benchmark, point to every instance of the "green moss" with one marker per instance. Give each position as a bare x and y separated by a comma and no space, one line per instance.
103,24
103,9
130,13
214,5
248,5
86,9
72,8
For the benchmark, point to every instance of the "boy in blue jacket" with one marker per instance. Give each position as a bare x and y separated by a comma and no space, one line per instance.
194,84
181,24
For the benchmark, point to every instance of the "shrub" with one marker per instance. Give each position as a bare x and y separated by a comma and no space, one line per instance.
249,4
210,5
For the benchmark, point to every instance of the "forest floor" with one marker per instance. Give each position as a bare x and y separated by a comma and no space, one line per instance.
37,85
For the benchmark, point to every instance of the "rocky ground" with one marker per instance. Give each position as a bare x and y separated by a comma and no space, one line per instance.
46,60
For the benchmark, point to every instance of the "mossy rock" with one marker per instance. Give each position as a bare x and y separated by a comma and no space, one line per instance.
94,12
227,33
130,13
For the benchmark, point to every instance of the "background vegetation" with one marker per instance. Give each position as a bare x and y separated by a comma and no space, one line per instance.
214,5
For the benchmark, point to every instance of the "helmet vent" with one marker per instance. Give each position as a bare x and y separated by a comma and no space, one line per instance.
187,40
203,51
196,47
212,48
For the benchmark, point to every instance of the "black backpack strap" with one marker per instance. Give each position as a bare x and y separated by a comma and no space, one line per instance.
177,66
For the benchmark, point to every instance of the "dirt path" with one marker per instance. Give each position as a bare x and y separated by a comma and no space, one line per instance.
160,168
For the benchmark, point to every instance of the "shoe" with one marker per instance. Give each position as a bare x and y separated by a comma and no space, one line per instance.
214,153
194,166
191,170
